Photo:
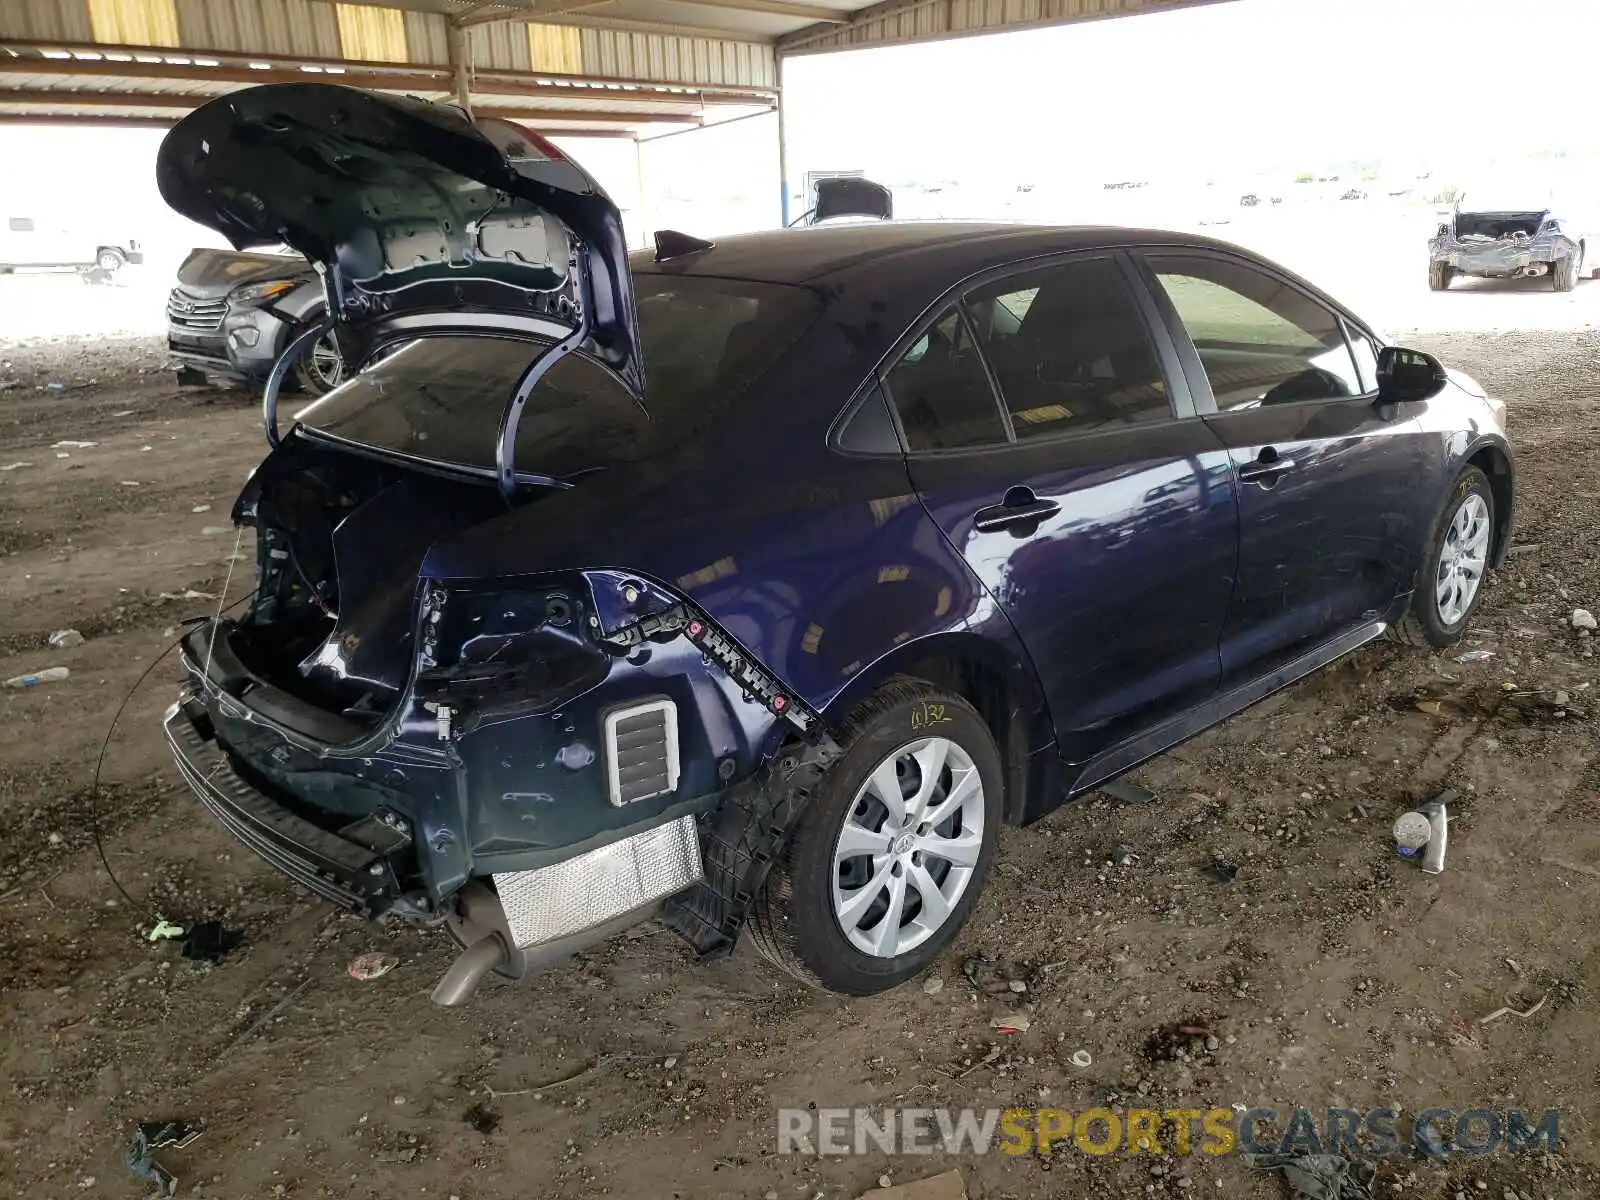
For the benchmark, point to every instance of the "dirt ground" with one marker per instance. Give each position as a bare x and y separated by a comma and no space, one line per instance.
1329,972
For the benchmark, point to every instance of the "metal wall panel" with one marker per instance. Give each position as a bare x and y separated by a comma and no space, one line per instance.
46,20
298,27
924,20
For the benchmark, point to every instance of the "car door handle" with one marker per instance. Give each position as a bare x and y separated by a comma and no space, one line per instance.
1269,464
1021,507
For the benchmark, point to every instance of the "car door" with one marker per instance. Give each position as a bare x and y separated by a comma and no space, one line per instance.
1046,434
1327,524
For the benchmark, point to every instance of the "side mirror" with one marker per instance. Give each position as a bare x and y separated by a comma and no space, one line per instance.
1408,375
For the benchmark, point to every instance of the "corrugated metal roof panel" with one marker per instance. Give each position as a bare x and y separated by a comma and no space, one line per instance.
298,27
922,20
499,46
624,55
426,40
134,22
65,20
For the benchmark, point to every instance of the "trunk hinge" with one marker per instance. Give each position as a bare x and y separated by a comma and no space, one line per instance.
292,354
505,449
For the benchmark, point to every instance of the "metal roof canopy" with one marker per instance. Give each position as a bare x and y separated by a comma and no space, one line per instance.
578,68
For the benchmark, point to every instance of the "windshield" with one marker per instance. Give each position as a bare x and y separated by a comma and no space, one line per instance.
705,342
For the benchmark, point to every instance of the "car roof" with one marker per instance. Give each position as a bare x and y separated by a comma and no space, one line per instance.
813,254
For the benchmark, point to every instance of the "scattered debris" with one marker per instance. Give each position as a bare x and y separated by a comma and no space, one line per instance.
373,965
165,931
1219,870
70,445
1010,1023
33,678
1582,618
15,466
187,594
213,530
1425,830
146,449
128,482
1472,656
200,508
1123,854
1319,1176
1507,1010
209,941
1125,791
932,985
947,1186
151,1136
1081,1058
1525,548
65,639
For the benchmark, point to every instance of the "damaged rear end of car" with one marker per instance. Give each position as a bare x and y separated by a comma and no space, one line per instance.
527,756
1504,243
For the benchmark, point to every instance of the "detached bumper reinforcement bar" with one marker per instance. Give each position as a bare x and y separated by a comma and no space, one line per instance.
352,876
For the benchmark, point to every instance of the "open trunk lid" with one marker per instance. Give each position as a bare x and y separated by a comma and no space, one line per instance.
1495,226
420,220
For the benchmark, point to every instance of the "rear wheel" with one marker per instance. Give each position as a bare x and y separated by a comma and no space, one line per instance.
1449,584
109,259
887,860
1439,275
1564,276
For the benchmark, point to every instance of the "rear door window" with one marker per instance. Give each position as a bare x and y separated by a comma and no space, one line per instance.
1261,340
1069,349
941,391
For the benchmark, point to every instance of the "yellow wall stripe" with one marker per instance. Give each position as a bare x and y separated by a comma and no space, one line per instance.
555,48
372,34
134,22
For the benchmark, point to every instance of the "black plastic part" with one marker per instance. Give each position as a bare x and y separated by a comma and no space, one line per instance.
671,244
741,840
354,877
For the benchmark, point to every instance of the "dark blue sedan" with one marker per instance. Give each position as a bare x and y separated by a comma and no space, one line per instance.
755,584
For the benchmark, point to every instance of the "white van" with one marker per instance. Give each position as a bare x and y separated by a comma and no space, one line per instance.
43,242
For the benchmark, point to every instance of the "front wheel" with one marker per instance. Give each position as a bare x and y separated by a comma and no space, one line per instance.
322,368
110,259
1450,582
887,860
1439,276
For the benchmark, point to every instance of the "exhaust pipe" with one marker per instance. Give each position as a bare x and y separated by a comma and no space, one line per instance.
469,970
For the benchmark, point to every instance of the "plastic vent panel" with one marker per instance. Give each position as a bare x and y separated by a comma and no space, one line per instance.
642,751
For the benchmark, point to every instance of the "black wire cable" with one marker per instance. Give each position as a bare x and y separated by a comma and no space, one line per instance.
94,785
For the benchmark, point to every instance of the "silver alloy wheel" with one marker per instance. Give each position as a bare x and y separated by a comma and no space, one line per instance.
908,847
325,363
1462,560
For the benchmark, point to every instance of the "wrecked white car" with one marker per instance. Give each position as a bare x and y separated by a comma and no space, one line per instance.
1511,237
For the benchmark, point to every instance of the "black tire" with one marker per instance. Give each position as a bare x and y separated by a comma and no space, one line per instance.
1422,624
1439,276
1564,275
792,922
110,259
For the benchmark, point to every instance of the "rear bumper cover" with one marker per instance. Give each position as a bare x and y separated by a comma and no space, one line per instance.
357,877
